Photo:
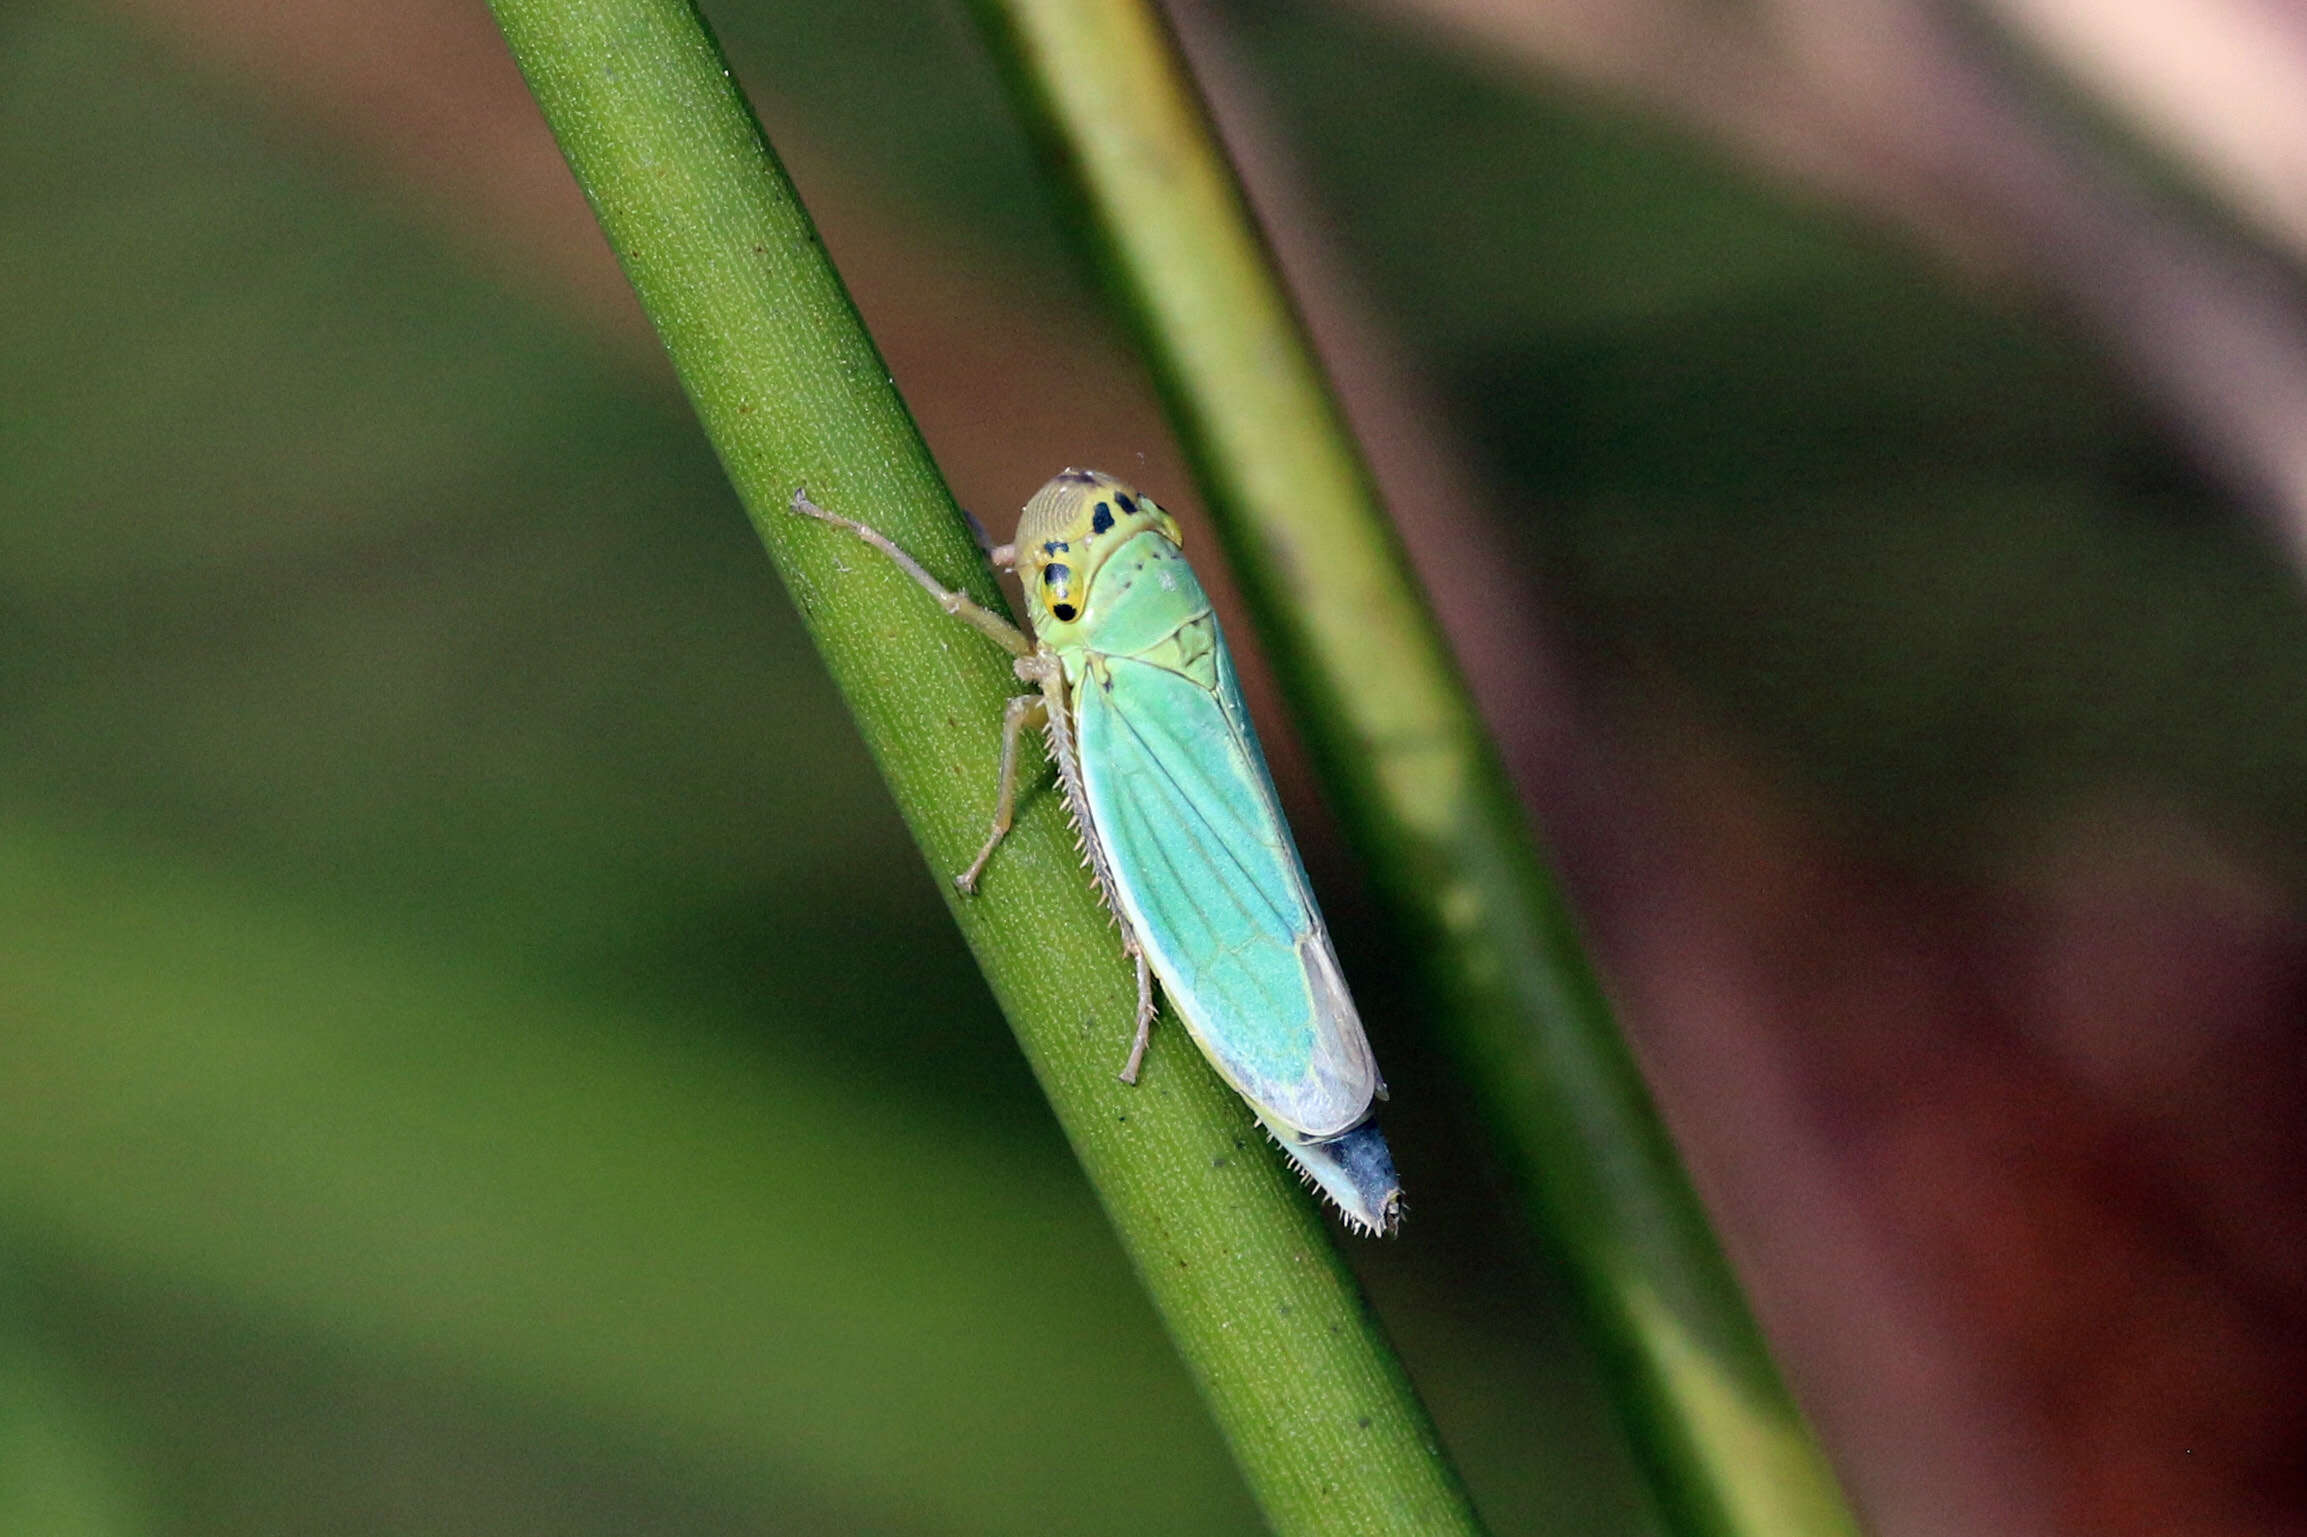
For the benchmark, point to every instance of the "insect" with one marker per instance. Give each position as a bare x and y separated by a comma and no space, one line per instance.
1179,824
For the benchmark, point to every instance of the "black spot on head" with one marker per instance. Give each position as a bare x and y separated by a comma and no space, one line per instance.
1058,578
1124,503
1100,518
1055,546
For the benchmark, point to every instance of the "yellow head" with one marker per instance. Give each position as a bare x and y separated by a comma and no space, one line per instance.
1066,532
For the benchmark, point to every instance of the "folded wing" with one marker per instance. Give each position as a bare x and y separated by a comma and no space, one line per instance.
1209,878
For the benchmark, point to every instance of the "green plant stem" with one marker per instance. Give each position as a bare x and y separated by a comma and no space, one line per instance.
792,394
1410,767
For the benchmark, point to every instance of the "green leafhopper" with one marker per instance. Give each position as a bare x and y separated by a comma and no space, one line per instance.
1179,823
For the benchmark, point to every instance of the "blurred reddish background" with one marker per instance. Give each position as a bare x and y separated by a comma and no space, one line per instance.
2011,1151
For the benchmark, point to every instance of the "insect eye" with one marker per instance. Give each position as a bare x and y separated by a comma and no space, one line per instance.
1057,578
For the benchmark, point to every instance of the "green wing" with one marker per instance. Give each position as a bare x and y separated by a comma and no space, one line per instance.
1208,877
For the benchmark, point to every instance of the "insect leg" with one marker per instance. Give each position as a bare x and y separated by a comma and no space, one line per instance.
1026,711
1145,1008
959,604
1044,669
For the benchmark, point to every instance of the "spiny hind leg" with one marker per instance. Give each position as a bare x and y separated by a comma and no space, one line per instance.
959,604
1145,1007
1027,712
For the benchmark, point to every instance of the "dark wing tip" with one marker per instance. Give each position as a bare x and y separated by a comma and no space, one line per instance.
1356,1172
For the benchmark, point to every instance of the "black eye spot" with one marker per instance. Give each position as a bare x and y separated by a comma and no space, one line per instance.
1056,575
1101,518
1125,504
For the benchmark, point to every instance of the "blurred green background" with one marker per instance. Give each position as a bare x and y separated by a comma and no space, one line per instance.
477,1050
